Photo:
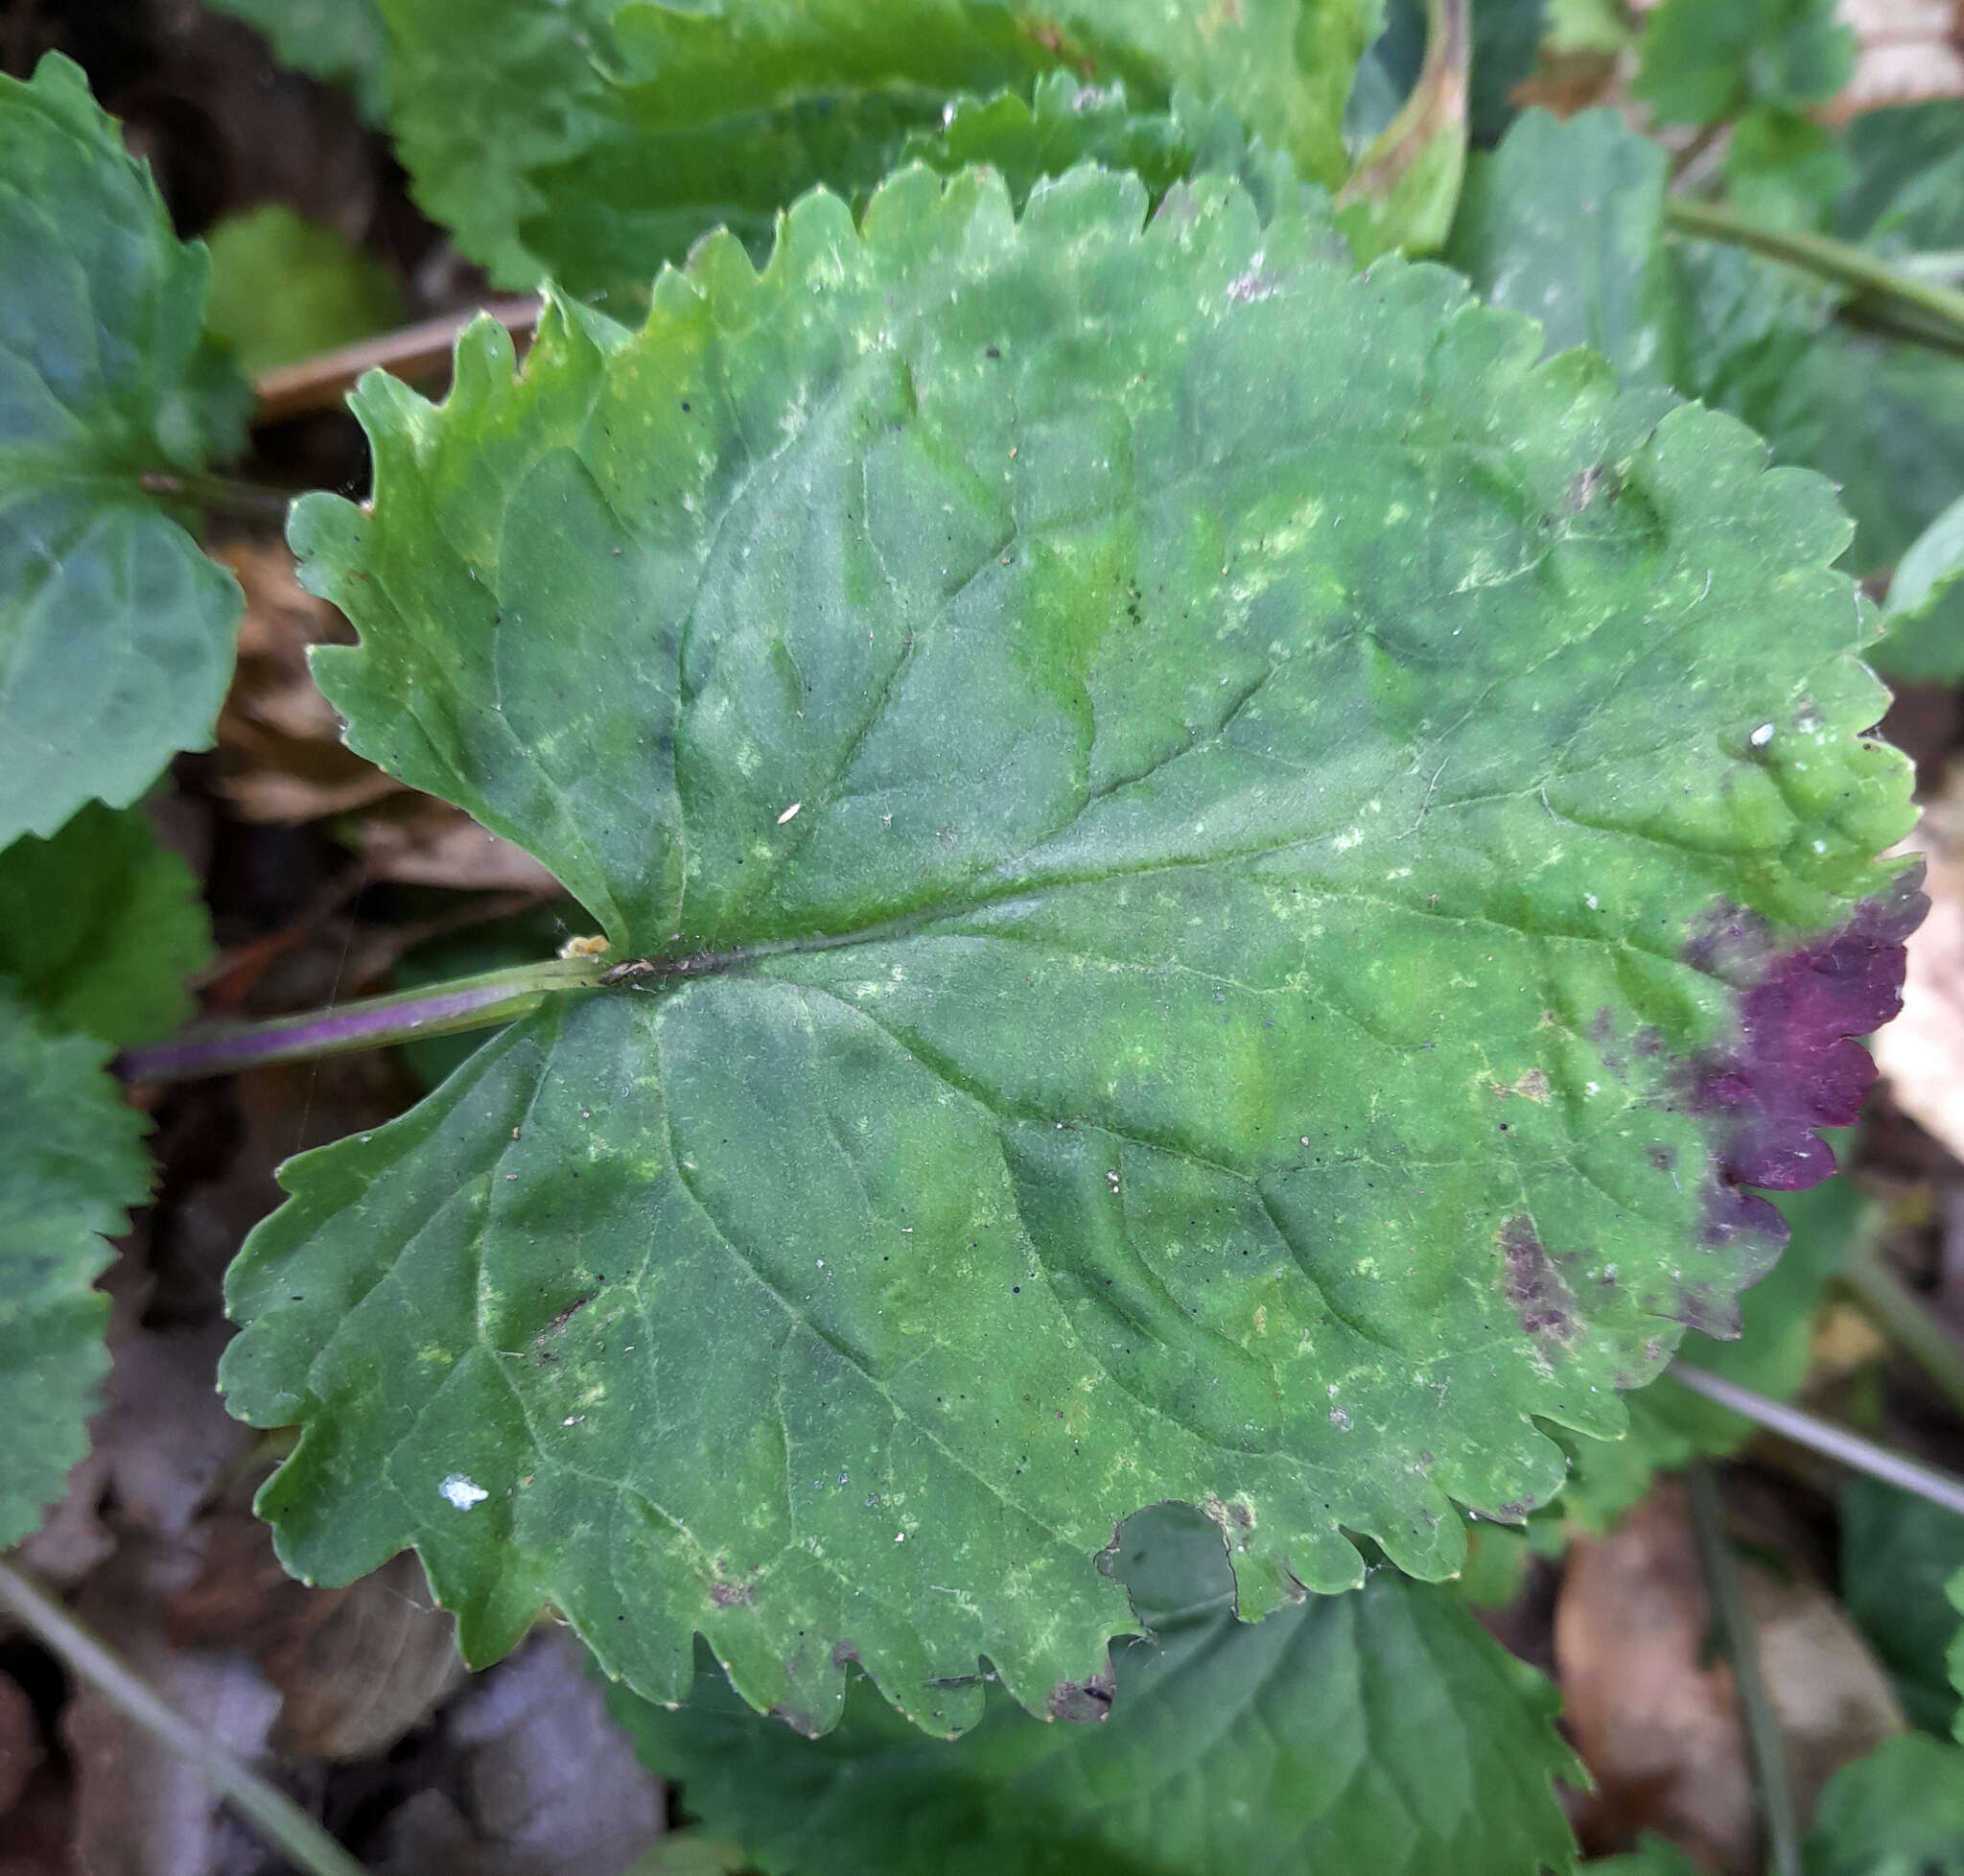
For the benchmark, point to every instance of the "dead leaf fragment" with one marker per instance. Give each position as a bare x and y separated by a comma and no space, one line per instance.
1653,1710
1921,1054
356,1667
546,1784
20,1742
282,758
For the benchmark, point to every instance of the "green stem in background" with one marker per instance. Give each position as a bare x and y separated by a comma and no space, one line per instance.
1899,303
276,1816
1892,1306
1823,1436
217,495
1765,1742
481,1002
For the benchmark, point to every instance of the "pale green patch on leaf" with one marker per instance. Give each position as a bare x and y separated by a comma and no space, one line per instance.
595,139
71,1166
100,926
1900,1811
284,289
1197,830
1704,62
1381,1730
116,633
342,41
1925,612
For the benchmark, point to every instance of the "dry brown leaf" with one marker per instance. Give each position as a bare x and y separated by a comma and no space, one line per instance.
547,1785
282,758
356,1667
1653,1713
20,1742
1921,1054
139,1809
421,841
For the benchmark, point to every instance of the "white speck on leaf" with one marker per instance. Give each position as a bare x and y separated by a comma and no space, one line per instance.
463,1492
1762,736
789,812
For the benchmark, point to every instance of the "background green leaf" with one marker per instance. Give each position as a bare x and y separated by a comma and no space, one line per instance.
1900,1811
70,1168
100,926
1563,222
116,633
1381,1730
1898,1554
1202,827
595,139
284,289
342,41
1703,62
1924,613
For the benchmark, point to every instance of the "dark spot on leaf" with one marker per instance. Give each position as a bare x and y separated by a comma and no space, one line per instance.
798,1723
1083,1701
1729,942
732,1595
1541,1299
845,1651
1795,1065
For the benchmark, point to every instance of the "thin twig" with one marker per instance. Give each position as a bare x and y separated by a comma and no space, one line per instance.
1892,1306
217,495
1823,1436
1765,1742
277,1818
481,1002
414,354
1909,307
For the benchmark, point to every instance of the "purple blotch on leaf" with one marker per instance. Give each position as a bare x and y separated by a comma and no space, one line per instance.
1795,1065
1541,1299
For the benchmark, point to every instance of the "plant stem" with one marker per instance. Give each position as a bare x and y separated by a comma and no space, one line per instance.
478,1002
1765,1742
1823,1436
1893,1307
218,495
415,353
1913,307
277,1818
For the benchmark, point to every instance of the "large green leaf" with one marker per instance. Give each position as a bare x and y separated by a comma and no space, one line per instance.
595,139
115,632
70,1168
342,41
1230,879
1384,1730
100,926
1900,1811
1670,1424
